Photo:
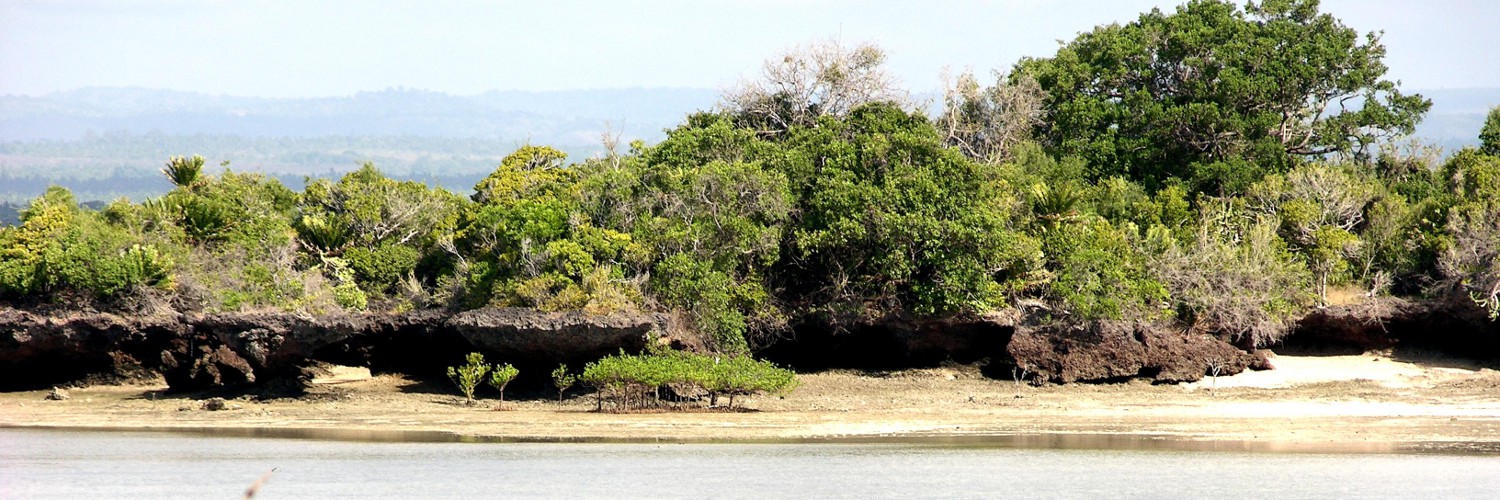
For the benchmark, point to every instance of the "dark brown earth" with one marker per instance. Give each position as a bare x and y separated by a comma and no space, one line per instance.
261,350
204,351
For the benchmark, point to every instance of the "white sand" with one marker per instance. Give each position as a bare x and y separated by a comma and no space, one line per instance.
1374,367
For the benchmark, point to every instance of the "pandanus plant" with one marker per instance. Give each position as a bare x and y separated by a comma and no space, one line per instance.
184,172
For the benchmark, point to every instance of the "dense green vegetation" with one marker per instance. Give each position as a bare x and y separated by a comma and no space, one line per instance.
650,380
1217,95
1226,168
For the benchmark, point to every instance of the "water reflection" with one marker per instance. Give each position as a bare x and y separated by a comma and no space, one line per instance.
1053,441
57,464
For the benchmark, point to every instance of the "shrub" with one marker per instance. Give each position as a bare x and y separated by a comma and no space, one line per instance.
468,376
501,375
562,380
345,292
1099,272
182,171
61,249
637,380
1244,284
382,267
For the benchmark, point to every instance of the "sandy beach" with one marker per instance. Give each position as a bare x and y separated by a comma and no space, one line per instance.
1367,402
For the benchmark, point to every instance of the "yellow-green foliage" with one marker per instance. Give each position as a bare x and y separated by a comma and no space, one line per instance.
626,380
562,380
501,375
524,174
532,245
469,375
183,172
60,248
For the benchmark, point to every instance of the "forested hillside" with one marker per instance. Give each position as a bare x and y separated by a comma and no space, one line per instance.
1224,169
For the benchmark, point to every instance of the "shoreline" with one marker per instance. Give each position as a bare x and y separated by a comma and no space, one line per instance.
1370,405
1039,440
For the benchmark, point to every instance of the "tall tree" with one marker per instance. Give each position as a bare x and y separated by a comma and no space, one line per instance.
1220,95
1489,136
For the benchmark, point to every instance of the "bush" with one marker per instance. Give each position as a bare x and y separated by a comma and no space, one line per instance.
1098,272
380,268
500,376
628,381
468,376
1245,284
61,249
562,380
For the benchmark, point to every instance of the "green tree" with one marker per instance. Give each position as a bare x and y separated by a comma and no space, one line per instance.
1097,271
562,380
708,213
500,376
1489,136
366,209
1470,260
244,246
522,174
1320,207
889,219
529,242
380,227
61,250
469,375
1218,95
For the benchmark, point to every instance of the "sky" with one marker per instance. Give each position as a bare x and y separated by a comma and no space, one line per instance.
298,48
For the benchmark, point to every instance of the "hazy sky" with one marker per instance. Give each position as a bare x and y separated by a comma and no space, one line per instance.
329,48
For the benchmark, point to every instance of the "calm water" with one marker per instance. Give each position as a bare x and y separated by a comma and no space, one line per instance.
55,464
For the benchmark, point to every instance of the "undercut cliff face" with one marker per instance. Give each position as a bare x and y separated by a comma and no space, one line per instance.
1454,326
241,350
895,342
555,337
195,352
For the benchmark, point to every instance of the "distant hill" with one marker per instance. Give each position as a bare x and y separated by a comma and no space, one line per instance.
1456,116
562,117
10,214
109,142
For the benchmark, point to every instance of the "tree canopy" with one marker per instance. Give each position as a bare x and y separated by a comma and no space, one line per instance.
1219,95
1214,167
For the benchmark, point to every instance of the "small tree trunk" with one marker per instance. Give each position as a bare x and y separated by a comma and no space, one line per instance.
1322,288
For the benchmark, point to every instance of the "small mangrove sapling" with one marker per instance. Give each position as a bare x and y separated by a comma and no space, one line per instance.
562,380
469,375
501,375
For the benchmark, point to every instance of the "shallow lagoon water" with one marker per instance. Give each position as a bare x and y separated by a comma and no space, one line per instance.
79,464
